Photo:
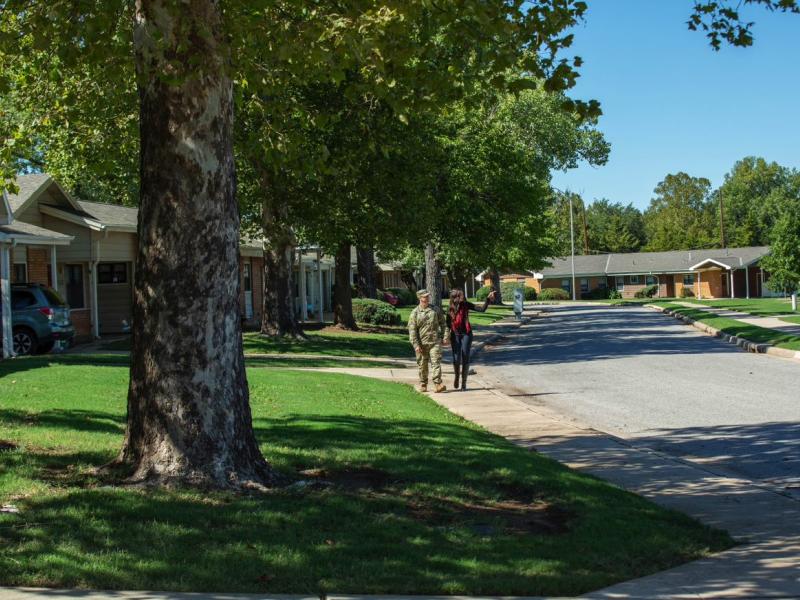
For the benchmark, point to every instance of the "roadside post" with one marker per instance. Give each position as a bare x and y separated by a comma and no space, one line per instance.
519,299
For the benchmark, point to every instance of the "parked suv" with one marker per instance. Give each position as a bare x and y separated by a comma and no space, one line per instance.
40,319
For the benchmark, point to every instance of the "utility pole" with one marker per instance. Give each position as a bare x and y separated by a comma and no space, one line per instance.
721,222
585,229
572,245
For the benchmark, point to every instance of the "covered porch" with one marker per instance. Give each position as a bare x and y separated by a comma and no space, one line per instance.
728,278
23,240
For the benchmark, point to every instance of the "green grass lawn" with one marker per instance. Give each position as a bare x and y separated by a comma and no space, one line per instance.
390,342
791,319
420,501
759,335
754,306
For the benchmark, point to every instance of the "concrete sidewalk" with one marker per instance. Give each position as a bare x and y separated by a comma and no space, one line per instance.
766,564
765,322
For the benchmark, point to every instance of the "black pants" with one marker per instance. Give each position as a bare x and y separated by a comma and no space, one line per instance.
461,344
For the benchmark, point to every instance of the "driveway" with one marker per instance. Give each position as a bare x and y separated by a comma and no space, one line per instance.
659,384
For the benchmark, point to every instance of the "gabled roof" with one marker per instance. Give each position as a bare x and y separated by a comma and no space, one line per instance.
31,187
112,216
644,263
31,234
6,214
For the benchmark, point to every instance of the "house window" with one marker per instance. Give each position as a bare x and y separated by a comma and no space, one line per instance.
601,284
620,283
650,280
20,273
20,300
584,285
688,279
74,277
565,285
112,273
634,279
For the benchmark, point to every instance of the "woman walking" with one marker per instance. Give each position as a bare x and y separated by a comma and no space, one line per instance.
461,333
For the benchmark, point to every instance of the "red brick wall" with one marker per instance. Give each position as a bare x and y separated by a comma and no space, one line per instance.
38,266
258,287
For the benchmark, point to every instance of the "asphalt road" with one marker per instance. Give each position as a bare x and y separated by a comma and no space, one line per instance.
660,384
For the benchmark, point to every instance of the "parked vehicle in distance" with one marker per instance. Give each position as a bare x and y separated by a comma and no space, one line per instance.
40,319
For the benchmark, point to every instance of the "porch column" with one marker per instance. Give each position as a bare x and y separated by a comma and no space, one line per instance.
303,297
699,286
53,269
95,308
321,300
732,294
761,275
747,281
5,300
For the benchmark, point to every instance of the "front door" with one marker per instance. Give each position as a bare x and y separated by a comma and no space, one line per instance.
247,284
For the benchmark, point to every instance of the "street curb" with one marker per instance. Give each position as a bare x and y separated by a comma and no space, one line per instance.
509,324
744,344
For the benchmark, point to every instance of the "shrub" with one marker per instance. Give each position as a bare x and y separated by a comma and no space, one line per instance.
614,294
483,292
598,294
647,292
507,290
375,312
404,295
554,294
687,292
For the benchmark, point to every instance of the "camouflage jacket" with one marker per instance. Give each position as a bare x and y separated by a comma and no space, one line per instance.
426,326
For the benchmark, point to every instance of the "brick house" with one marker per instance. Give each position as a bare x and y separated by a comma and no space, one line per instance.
94,264
716,273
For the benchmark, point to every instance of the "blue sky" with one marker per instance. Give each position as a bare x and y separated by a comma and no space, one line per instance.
670,103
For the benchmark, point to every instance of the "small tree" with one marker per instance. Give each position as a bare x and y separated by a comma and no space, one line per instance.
783,262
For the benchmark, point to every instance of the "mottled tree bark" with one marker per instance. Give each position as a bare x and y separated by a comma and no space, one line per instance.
365,279
342,292
458,279
278,315
407,277
495,276
433,270
189,415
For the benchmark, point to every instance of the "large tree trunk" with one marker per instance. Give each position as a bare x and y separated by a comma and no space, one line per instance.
278,317
495,276
342,292
433,270
407,277
458,279
189,415
365,279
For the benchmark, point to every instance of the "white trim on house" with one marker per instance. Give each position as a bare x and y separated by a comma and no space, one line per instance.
52,211
38,192
711,260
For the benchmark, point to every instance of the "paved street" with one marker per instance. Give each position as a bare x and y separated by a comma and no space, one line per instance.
660,384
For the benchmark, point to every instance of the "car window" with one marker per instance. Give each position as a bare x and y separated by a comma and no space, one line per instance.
53,297
20,300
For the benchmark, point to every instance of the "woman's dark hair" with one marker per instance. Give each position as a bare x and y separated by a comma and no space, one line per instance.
455,303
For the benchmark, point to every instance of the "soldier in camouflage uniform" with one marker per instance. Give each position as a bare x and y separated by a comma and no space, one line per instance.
426,327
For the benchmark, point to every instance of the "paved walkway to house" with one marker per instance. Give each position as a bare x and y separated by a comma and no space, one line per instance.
766,322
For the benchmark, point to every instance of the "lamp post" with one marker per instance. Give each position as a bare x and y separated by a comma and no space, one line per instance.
572,246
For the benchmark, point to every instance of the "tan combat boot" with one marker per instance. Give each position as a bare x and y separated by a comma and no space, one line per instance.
440,387
423,387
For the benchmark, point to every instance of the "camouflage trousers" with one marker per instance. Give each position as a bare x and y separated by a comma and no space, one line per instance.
430,355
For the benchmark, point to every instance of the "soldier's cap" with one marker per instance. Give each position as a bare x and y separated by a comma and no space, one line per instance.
423,293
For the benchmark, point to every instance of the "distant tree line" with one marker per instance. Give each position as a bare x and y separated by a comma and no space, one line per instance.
685,212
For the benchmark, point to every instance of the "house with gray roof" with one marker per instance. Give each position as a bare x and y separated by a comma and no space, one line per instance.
715,273
87,252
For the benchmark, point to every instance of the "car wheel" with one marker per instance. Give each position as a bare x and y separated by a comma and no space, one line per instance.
24,342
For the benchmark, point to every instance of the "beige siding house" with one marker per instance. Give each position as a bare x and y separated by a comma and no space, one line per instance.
93,267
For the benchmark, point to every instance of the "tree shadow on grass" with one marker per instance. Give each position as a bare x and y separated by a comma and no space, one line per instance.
366,540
